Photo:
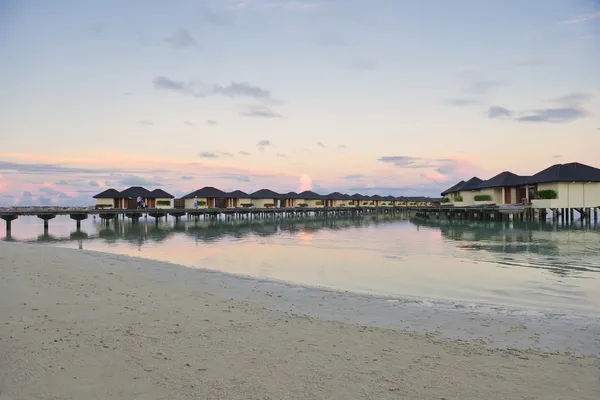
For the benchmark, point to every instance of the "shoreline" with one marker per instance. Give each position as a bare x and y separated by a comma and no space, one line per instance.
86,324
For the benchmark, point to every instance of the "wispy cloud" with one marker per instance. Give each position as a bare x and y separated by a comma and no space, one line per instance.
320,145
342,146
208,154
243,89
566,109
232,90
187,177
581,18
554,115
181,40
259,111
495,112
244,153
264,143
212,154
134,180
188,123
211,122
146,123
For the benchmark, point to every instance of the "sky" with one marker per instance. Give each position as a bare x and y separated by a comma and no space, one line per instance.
370,96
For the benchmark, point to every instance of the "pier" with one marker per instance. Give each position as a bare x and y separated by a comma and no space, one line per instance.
485,212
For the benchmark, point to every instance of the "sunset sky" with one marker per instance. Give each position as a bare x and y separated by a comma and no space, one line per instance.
371,96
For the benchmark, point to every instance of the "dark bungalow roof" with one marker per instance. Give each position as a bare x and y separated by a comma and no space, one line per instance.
108,194
377,197
571,172
335,196
265,194
504,179
237,194
346,196
453,189
161,194
206,192
400,198
472,184
358,196
309,195
136,191
290,195
389,197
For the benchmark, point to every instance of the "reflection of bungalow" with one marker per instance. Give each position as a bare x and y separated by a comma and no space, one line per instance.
108,199
571,185
237,199
265,198
311,199
208,197
504,188
161,199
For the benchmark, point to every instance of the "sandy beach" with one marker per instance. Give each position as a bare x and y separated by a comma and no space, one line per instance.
84,325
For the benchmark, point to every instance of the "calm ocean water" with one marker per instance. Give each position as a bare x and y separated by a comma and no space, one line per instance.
524,265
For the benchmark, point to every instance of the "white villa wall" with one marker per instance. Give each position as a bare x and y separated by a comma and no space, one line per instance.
570,195
260,203
105,202
169,206
489,192
311,203
189,203
339,203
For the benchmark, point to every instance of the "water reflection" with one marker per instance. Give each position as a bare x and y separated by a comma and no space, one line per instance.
562,250
520,263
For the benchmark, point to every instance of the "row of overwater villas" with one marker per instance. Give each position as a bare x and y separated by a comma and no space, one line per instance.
210,197
572,185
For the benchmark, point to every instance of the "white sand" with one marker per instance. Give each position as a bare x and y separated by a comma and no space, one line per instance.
84,325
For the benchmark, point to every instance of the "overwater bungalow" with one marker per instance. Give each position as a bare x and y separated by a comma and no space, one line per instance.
504,188
289,199
336,199
237,199
310,199
572,185
207,197
265,198
388,201
160,199
463,195
560,186
127,199
108,199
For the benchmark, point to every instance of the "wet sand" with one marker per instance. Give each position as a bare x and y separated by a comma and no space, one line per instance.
78,324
